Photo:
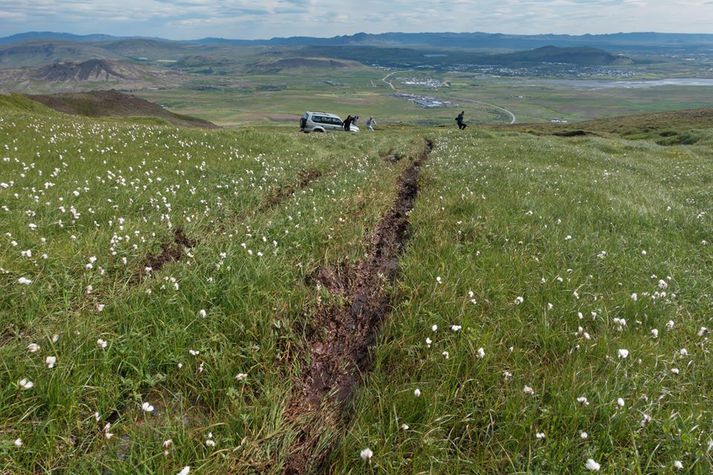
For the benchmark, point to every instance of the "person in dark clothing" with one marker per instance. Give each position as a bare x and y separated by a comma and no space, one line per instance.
461,121
347,123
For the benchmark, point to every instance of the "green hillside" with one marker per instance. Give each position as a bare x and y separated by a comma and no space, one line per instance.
263,301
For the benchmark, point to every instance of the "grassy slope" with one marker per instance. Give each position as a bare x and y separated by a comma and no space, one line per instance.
472,227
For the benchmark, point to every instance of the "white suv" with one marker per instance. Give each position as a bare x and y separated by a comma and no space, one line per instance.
323,122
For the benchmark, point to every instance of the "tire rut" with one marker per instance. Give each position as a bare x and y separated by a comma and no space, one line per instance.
338,350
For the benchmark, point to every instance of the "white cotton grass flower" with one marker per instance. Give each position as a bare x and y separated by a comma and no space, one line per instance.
33,347
434,327
620,402
417,392
18,442
439,280
241,376
481,353
146,407
583,400
107,427
528,390
25,384
654,333
50,361
185,471
24,281
167,446
209,442
366,454
456,328
405,427
583,435
678,465
670,324
519,300
540,435
202,313
592,466
102,344
634,296
623,353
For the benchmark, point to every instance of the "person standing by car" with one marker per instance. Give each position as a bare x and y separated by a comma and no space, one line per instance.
461,121
370,123
348,123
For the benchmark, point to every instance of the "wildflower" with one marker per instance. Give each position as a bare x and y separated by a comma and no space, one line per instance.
107,435
623,353
670,324
583,400
18,442
645,419
102,343
366,454
186,470
26,383
167,446
592,466
634,296
202,313
620,402
24,281
33,347
446,354
456,328
481,353
417,392
428,342
583,435
663,285
241,376
507,375
683,352
194,352
209,442
51,361
405,427
678,465
434,327
540,435
146,407
675,370
528,390
702,331
519,300
654,333
439,280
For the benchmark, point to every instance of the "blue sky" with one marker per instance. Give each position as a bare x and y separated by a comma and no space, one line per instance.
186,19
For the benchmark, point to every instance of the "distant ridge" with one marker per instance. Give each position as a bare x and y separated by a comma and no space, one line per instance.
115,104
92,70
475,40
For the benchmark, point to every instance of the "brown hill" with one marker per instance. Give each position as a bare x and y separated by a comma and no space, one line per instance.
114,103
92,70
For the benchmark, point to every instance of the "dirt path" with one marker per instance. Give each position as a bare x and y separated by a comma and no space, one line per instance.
338,350
384,79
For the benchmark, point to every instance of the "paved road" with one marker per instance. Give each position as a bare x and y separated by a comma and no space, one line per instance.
513,118
384,79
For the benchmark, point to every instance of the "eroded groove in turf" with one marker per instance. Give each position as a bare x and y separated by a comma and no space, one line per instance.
171,251
280,194
338,351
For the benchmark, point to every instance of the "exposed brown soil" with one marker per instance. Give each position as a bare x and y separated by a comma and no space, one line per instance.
171,251
114,103
338,350
281,193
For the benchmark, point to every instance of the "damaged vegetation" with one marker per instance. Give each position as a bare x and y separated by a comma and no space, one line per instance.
343,333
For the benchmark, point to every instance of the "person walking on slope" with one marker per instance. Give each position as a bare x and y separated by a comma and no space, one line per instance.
460,121
370,123
347,123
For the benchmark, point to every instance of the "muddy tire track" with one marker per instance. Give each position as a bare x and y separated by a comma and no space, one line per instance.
338,348
280,194
171,251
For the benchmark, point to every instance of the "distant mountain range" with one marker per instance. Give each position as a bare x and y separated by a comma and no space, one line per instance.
610,42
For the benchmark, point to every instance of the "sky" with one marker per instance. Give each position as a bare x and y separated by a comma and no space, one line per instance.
245,19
